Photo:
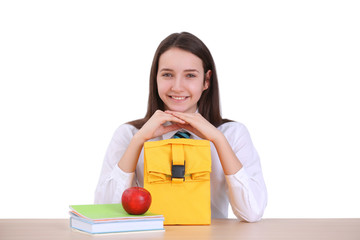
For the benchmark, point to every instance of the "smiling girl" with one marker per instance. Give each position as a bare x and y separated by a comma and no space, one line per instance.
184,95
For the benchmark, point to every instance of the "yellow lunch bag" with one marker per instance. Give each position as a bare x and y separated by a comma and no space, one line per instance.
177,174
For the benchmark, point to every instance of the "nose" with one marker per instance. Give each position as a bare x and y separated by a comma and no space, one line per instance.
177,85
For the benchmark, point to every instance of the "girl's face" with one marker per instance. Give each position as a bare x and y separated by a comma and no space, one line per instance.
180,80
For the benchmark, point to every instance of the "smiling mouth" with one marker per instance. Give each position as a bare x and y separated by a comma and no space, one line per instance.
178,97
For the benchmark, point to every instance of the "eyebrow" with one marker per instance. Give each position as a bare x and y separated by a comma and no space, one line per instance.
191,70
166,70
170,70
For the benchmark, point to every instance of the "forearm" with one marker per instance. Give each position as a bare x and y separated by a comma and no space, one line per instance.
230,163
247,196
130,158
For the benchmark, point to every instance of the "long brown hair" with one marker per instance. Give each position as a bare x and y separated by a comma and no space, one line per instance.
209,102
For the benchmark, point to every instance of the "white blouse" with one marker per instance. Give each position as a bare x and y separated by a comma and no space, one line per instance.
244,190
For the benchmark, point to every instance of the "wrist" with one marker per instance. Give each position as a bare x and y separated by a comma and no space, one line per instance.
138,139
217,137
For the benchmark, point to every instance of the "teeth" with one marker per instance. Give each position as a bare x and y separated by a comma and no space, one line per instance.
178,98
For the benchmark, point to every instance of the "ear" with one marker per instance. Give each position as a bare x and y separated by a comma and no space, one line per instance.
207,79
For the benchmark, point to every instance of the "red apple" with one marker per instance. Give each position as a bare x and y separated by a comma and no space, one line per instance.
136,200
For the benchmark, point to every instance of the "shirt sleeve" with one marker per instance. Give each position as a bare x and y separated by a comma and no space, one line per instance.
247,190
113,181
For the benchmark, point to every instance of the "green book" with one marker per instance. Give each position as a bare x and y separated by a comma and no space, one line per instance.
112,218
102,212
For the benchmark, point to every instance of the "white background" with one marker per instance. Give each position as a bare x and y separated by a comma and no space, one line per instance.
72,71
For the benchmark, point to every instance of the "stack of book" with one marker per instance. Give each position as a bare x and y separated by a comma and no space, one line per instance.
112,218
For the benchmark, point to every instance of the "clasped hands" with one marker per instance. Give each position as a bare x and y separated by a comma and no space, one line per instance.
193,122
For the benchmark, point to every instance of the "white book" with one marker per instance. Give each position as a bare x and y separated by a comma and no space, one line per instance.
116,226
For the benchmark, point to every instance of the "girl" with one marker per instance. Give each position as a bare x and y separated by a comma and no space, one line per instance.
184,95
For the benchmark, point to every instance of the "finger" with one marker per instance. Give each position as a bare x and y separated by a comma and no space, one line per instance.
185,126
180,115
190,120
171,128
174,113
164,116
176,119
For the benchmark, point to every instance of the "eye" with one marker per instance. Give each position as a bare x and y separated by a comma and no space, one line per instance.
190,75
167,75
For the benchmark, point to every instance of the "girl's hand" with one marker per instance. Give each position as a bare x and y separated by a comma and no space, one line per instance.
197,124
202,128
154,126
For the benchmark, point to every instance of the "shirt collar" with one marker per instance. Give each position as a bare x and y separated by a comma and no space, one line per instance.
171,134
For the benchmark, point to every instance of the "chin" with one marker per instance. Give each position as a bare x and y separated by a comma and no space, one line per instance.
183,110
176,109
